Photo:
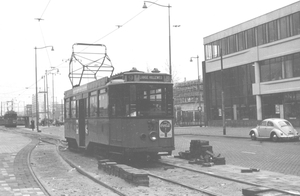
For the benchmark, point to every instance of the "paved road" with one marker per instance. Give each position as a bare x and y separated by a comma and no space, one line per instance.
238,149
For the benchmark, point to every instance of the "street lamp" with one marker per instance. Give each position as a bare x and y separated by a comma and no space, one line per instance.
36,87
199,108
168,6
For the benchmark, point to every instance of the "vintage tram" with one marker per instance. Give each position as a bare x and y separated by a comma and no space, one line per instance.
10,118
128,114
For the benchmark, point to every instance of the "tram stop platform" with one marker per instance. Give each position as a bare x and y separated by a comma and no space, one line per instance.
16,178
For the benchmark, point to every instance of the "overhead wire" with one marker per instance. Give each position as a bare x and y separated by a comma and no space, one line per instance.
118,26
45,9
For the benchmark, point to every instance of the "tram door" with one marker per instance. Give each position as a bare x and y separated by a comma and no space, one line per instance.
81,121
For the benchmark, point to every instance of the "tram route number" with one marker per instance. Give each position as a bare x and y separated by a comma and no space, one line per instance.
165,129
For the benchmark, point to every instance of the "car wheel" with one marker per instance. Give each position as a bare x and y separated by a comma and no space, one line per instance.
252,135
274,137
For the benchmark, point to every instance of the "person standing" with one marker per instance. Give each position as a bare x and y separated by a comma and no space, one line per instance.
32,125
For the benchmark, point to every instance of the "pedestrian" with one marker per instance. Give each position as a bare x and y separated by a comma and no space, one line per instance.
32,125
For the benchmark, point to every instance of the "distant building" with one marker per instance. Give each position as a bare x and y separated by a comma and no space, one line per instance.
188,103
58,111
261,69
28,110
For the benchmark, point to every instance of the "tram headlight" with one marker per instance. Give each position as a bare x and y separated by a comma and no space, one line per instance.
153,136
143,136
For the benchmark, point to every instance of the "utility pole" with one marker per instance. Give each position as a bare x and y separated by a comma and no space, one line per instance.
222,95
53,111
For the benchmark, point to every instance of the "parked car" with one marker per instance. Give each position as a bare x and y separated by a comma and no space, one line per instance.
276,129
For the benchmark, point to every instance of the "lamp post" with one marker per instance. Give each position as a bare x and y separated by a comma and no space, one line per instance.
36,87
168,6
199,107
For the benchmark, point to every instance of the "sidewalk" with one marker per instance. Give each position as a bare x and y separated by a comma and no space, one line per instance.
242,132
15,175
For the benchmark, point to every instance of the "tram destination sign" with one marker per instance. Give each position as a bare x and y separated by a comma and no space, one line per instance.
151,78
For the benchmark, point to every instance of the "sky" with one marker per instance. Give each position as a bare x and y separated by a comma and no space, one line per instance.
134,37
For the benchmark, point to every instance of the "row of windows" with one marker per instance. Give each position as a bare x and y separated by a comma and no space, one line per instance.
269,32
183,100
238,98
96,105
280,68
290,102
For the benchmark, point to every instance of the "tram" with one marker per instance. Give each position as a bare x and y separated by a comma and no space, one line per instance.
128,114
10,119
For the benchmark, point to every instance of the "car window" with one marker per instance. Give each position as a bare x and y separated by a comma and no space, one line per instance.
264,123
284,123
270,124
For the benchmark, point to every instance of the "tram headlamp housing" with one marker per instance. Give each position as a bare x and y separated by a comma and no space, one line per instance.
143,136
153,136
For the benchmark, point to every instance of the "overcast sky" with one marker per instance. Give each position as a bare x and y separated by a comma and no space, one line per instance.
141,42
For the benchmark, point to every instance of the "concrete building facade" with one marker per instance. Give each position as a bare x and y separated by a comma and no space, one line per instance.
257,66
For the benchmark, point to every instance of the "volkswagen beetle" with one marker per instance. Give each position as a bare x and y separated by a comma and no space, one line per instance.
276,129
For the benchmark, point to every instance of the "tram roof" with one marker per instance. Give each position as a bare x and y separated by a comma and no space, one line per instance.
132,76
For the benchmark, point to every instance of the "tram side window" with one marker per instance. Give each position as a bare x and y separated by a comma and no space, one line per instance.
103,105
116,101
130,101
67,108
73,108
93,104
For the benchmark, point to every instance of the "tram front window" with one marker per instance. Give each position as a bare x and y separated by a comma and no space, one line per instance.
141,100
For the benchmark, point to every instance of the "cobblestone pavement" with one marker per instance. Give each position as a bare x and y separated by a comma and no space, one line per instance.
16,180
15,176
265,178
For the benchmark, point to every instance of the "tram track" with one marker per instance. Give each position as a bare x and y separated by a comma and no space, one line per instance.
224,186
229,179
162,175
56,175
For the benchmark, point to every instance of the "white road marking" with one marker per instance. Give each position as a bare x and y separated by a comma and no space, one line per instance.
248,152
255,145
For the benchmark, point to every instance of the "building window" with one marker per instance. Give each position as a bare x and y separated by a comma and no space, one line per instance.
296,64
292,105
208,51
232,44
251,41
272,31
241,41
215,48
284,29
261,34
276,69
288,66
265,71
224,46
295,23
